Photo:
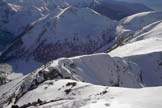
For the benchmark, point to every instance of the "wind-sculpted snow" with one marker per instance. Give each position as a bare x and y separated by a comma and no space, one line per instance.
147,53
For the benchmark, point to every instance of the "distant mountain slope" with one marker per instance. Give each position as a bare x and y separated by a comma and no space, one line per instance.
110,8
5,39
18,21
118,10
17,15
5,12
74,31
14,19
149,31
26,12
154,4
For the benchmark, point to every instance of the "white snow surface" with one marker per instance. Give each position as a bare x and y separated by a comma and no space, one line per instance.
53,94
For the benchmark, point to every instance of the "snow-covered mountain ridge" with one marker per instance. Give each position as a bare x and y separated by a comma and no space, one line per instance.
37,88
126,77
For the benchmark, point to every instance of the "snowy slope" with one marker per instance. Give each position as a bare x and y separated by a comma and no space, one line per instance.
72,94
